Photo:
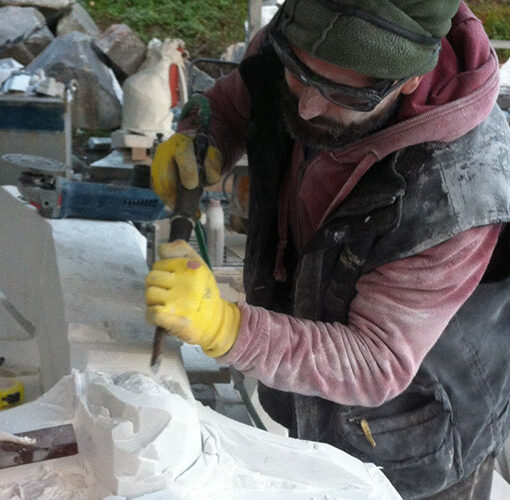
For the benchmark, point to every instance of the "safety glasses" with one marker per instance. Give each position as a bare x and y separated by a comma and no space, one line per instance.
355,98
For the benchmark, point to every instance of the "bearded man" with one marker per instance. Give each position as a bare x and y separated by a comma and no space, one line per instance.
376,270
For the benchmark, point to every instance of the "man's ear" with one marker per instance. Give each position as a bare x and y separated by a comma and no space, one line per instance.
411,85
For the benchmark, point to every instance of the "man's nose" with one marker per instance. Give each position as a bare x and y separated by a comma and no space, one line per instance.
311,103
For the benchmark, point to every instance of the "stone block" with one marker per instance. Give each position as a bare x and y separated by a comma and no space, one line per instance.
23,33
147,95
140,155
18,23
28,249
44,4
13,325
80,284
71,57
99,144
122,48
77,19
51,88
122,139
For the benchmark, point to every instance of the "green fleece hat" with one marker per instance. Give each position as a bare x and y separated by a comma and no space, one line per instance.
382,38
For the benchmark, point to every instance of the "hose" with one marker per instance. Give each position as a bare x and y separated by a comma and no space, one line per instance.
202,245
237,376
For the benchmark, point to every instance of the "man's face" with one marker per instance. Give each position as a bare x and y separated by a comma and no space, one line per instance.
318,122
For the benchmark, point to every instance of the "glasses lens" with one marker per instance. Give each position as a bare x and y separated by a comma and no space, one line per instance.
341,95
356,102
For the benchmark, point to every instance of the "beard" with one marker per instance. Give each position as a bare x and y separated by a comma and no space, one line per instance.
324,133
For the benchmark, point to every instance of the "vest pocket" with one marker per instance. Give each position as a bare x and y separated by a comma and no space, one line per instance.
416,447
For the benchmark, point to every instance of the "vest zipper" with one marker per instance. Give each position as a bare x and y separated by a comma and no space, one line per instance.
365,428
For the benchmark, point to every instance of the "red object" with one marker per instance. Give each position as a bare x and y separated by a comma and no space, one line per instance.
173,81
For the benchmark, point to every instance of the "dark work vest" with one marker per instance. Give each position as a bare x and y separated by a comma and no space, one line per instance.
455,412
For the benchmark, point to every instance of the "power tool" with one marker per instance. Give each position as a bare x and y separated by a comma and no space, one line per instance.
44,186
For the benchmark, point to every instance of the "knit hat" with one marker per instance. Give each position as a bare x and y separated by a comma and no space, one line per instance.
390,39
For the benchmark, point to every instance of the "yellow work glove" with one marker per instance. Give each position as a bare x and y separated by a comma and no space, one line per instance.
175,162
182,297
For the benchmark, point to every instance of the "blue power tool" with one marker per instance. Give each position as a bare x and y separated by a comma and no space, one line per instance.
57,197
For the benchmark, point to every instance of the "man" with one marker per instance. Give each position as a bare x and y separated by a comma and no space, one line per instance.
377,300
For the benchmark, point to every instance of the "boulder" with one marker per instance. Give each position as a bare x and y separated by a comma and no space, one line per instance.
234,53
77,19
199,81
23,33
45,4
122,48
71,57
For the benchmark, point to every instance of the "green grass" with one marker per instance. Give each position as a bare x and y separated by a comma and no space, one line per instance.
209,26
206,26
495,16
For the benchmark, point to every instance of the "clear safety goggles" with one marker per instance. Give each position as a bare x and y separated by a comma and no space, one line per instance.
355,98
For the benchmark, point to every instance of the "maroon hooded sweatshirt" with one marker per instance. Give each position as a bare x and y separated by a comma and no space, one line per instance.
401,308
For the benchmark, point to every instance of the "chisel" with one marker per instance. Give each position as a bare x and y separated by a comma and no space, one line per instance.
188,202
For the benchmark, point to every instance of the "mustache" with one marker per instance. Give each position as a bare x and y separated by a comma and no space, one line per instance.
324,133
320,121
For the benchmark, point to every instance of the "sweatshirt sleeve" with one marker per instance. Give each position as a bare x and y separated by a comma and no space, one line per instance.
397,315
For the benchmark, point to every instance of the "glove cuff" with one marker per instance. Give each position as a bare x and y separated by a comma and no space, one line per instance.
227,331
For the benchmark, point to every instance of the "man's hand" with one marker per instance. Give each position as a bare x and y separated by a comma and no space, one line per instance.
182,296
175,162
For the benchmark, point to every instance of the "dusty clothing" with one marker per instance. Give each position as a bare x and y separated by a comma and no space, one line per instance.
382,315
476,486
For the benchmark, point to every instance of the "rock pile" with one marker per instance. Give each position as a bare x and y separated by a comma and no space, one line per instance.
58,39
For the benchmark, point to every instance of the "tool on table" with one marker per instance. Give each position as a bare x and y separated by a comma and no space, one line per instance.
37,446
42,184
188,200
11,394
12,391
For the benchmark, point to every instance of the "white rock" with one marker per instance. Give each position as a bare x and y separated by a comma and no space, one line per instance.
137,439
8,66
17,83
79,285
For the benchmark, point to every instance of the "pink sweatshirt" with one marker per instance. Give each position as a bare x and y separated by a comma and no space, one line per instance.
402,307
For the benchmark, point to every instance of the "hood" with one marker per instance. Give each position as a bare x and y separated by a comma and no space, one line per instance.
450,101
466,63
